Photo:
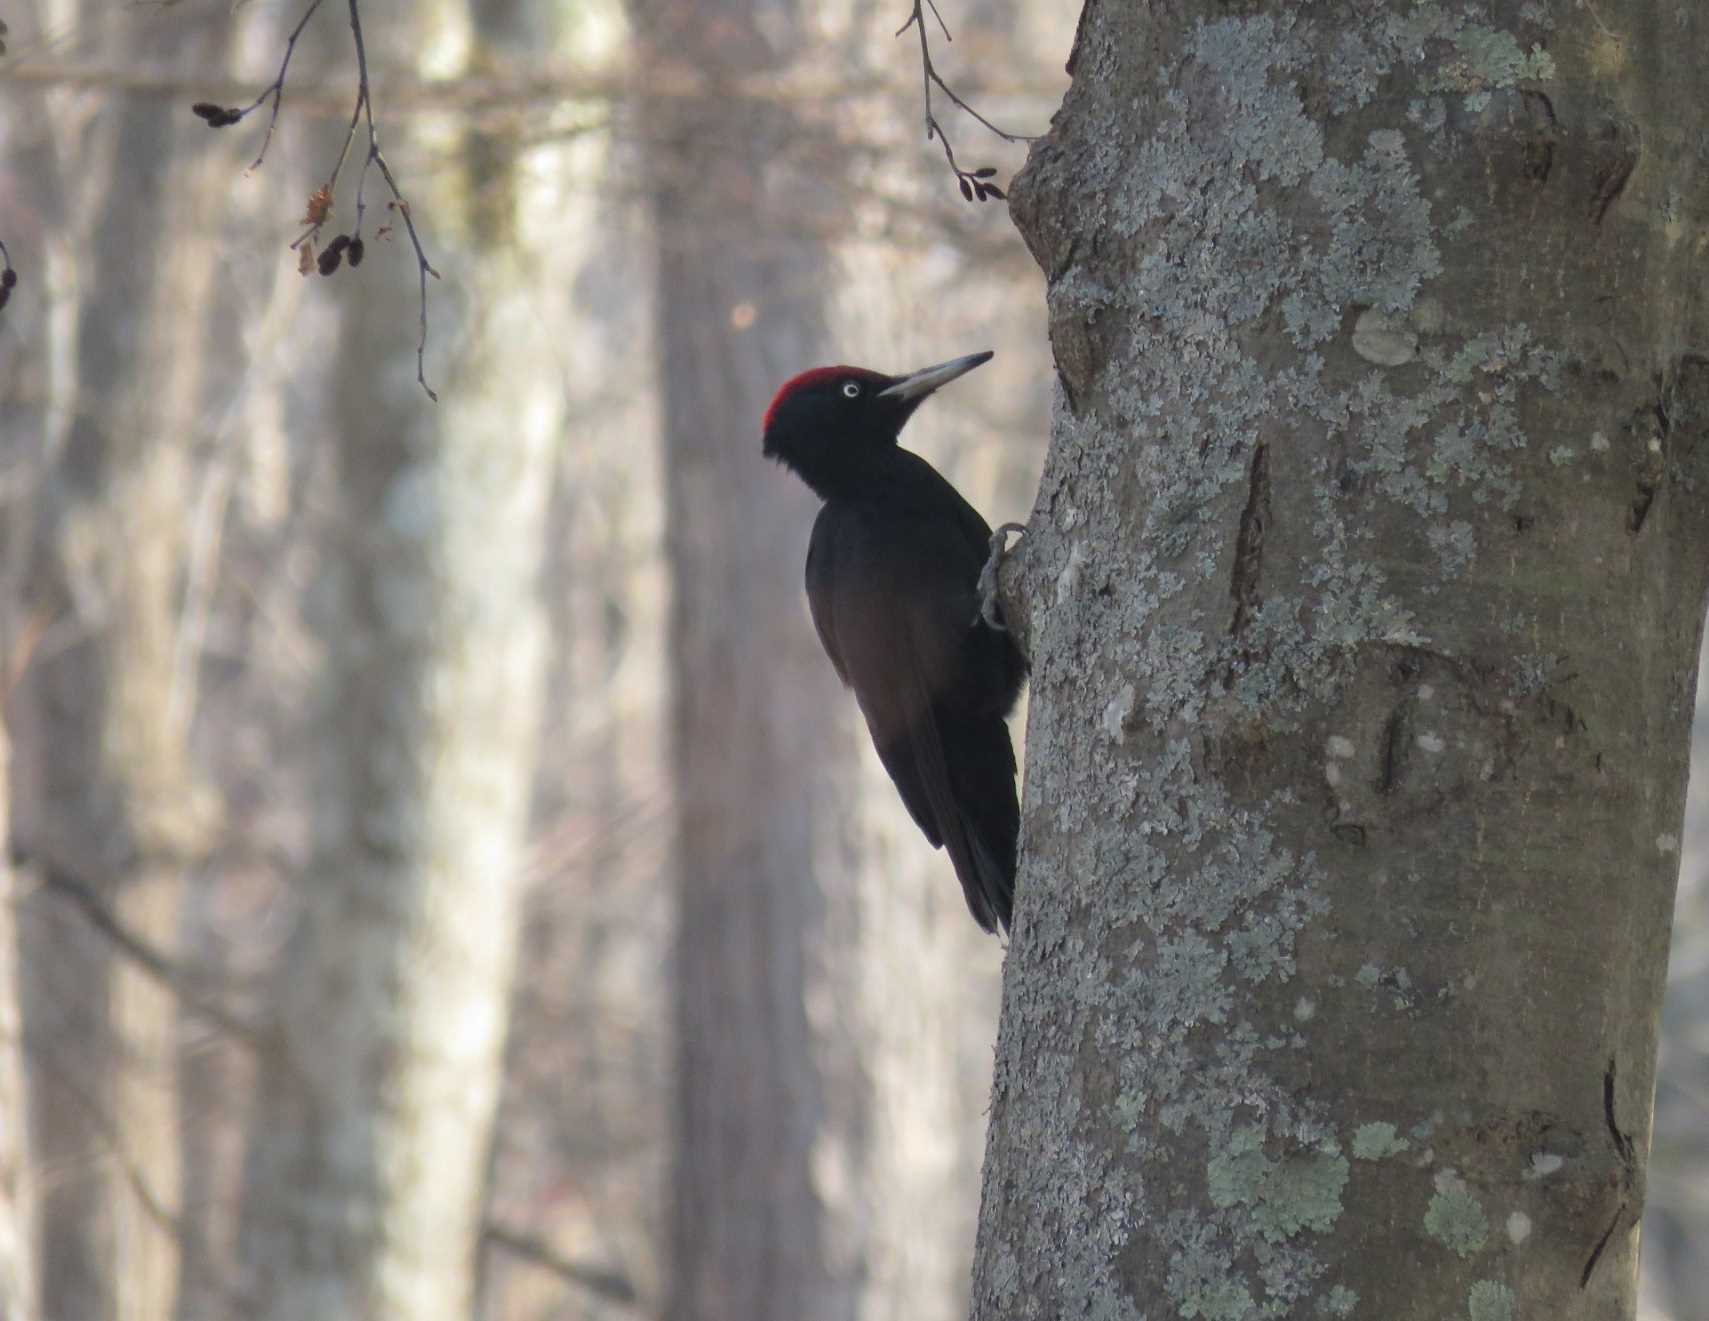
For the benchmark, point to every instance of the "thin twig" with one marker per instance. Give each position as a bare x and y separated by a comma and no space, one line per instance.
109,1132
44,1054
277,90
424,268
321,201
610,1285
972,182
53,876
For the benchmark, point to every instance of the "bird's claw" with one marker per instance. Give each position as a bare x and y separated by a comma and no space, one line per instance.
988,576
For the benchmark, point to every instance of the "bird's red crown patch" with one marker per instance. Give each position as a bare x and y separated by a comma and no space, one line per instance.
805,380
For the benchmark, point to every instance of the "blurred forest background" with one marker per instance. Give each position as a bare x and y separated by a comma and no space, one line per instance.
445,880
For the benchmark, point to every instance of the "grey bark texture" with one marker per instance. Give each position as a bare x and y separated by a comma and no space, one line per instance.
1363,593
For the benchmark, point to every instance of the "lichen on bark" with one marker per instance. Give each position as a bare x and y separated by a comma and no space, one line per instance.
1304,493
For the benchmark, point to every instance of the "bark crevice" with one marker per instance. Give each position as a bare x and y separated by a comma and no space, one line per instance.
1249,542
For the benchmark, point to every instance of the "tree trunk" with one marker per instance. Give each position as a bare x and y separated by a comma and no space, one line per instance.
771,1098
1363,593
106,791
1675,1275
833,995
754,728
366,1178
17,1180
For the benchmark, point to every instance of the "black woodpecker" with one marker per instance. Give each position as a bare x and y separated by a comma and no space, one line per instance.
893,571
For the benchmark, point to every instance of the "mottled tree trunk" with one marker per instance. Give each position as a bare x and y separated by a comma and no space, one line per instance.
106,793
769,1097
1363,593
752,733
17,1179
366,1177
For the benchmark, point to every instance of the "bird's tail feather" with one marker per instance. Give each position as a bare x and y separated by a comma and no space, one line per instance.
985,817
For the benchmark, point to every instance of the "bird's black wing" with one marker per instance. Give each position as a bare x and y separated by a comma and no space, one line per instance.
852,594
894,596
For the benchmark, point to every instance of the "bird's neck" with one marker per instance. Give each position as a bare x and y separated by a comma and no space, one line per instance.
849,472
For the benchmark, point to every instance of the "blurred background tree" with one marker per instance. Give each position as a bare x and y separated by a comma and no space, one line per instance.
443,876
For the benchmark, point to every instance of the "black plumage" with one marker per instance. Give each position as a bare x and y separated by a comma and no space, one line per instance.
893,581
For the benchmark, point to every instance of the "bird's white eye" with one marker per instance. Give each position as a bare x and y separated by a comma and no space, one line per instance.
851,390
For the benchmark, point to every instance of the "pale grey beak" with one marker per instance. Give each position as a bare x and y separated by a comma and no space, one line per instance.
923,382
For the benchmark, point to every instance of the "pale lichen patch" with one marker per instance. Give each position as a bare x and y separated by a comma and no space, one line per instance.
1489,1301
1454,544
1375,1141
1069,579
1284,1195
1543,1164
1116,713
1384,339
1455,1219
1200,1280
1488,57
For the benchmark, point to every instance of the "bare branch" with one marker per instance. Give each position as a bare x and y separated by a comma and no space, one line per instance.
45,1057
321,200
610,1285
277,90
52,876
974,183
164,1217
424,268
517,90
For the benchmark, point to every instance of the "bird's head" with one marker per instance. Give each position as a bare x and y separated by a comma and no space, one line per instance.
826,424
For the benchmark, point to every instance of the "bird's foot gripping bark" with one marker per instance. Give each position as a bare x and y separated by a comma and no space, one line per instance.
988,576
